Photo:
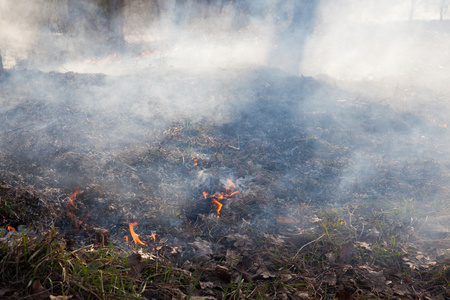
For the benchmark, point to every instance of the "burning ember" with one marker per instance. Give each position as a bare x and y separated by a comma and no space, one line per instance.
71,208
72,197
102,61
11,229
230,191
134,235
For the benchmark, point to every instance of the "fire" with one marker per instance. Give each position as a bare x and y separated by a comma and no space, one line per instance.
126,238
218,206
230,191
104,61
72,197
71,209
154,236
134,235
194,160
144,54
11,229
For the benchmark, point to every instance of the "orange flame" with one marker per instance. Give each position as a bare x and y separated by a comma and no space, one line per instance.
72,197
126,238
134,235
154,236
71,209
218,206
194,159
103,61
11,229
229,192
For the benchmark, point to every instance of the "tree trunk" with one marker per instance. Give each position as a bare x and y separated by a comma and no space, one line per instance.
115,23
1,62
97,24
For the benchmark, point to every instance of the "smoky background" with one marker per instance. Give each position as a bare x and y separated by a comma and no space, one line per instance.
344,103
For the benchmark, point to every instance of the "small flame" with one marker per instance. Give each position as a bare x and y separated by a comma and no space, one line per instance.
218,206
154,236
134,235
11,229
102,235
126,238
113,58
229,192
72,197
194,159
71,209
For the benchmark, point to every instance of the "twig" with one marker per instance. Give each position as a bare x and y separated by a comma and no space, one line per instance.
295,256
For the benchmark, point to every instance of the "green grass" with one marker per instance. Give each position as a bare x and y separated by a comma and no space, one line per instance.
372,235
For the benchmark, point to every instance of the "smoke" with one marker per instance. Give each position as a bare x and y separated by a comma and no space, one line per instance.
395,46
360,127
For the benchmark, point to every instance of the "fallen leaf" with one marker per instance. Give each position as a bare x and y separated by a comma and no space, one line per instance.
38,291
242,242
134,262
364,245
223,273
60,297
206,285
5,291
203,249
331,257
346,252
264,273
302,295
330,278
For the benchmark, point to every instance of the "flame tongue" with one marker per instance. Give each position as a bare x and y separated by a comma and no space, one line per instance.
218,206
229,192
134,235
72,197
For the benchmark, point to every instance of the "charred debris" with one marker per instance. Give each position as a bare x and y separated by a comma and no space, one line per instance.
289,189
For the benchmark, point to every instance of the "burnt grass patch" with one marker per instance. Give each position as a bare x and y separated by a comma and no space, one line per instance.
336,192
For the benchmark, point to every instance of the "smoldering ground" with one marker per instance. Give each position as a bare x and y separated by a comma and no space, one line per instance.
223,85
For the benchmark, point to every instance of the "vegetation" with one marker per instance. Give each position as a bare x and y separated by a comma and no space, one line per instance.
357,251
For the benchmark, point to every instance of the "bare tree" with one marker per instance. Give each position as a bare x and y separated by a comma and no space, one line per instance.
98,21
443,7
1,62
412,6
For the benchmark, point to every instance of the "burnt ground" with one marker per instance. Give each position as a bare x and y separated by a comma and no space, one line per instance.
339,195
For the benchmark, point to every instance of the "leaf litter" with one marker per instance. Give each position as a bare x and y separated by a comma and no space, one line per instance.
270,241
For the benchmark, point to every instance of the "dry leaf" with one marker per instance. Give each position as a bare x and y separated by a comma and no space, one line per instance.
5,291
202,246
223,273
60,297
302,295
331,257
264,273
38,291
134,262
330,278
346,252
206,285
364,245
